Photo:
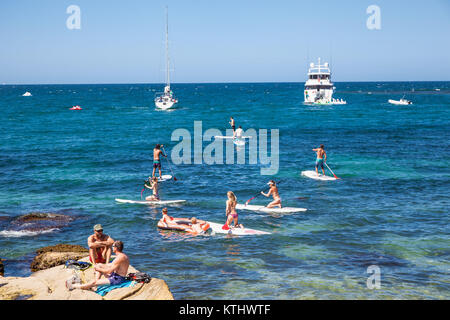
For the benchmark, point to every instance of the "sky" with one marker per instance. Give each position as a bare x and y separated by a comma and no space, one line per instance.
222,41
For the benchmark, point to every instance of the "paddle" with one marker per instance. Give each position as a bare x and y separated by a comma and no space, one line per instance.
145,182
168,162
331,171
246,203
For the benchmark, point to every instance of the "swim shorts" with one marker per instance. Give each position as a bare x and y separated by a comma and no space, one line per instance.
156,164
319,162
114,279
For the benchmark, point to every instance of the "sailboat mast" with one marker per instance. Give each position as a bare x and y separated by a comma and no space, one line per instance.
167,47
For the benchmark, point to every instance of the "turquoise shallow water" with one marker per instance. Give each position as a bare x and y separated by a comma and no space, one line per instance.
391,208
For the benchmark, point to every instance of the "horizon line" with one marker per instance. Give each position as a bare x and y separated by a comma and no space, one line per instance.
230,82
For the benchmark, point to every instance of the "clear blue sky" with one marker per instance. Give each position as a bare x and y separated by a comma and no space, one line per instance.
222,41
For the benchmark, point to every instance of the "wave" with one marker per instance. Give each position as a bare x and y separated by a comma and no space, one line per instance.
24,233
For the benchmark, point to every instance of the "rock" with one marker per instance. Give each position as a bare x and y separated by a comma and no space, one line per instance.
2,268
38,216
49,284
38,222
52,256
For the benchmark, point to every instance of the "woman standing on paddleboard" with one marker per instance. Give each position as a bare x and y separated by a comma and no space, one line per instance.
274,192
231,211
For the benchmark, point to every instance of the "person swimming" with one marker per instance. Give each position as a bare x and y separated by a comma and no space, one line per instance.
274,192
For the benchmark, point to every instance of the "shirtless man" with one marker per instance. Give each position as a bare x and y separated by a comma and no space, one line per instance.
114,273
274,192
232,124
100,246
197,226
153,185
157,152
321,158
238,133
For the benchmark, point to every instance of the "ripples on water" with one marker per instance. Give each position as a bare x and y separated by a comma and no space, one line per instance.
390,209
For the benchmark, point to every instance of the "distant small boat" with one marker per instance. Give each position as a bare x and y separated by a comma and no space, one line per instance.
402,102
76,108
26,94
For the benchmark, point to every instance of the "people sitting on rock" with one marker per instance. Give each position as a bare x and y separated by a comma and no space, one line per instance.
114,273
100,246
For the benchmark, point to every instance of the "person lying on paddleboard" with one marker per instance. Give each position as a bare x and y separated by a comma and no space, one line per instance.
114,273
198,226
100,246
157,152
153,185
274,192
230,211
321,158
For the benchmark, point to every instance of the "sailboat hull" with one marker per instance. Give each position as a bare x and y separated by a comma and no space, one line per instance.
164,105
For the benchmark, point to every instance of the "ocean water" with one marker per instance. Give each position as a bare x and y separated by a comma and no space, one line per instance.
390,208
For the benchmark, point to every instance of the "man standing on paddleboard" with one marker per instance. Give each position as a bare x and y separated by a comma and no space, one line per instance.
321,158
157,160
232,124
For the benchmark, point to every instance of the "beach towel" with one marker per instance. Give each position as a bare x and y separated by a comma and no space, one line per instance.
103,290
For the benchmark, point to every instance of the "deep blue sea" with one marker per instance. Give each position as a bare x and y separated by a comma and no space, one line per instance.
390,208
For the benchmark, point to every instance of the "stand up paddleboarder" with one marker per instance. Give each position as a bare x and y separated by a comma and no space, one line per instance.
321,158
157,152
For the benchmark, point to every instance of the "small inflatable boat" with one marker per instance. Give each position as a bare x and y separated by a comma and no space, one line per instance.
401,102
76,108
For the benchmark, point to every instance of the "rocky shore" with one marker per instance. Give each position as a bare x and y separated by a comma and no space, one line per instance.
49,274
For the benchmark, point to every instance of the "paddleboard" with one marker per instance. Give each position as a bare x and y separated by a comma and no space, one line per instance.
239,142
265,209
149,202
217,228
231,137
313,175
164,177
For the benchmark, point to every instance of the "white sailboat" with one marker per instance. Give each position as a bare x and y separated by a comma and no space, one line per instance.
165,100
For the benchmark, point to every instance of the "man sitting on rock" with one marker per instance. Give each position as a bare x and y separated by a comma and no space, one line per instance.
114,273
99,246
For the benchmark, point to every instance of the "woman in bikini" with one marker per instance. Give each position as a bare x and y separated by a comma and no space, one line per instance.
154,187
274,192
231,211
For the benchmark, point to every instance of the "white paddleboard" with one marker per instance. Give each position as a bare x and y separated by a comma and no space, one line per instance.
149,202
164,177
313,175
265,209
239,142
231,137
217,228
